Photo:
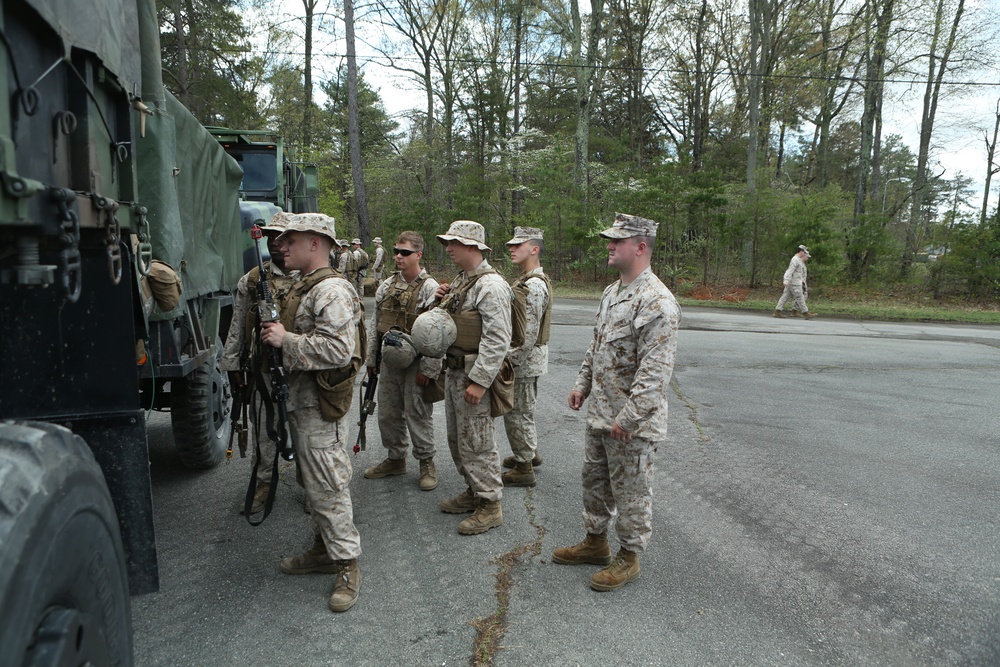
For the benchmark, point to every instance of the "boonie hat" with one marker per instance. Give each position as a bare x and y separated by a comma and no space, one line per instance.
313,223
377,239
626,226
279,222
355,241
466,232
805,250
433,332
522,234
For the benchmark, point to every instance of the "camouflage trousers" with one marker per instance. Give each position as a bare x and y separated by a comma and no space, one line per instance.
520,421
399,395
798,297
618,479
323,459
258,432
471,438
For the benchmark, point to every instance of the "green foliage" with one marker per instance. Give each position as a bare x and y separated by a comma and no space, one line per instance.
974,259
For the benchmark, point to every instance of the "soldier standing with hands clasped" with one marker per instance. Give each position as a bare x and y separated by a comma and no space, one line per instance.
626,373
378,263
403,413
479,301
318,338
530,360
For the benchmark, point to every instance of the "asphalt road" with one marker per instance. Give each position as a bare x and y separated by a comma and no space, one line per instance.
828,495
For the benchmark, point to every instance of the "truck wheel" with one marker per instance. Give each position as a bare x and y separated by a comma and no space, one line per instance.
63,585
200,406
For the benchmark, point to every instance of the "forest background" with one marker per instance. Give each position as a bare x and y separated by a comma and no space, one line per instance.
744,127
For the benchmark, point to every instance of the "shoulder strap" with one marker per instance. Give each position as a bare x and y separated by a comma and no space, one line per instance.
290,305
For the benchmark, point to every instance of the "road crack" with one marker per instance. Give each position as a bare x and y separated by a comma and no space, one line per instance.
492,628
692,410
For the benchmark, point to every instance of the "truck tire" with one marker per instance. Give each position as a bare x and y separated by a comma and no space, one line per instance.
200,405
63,585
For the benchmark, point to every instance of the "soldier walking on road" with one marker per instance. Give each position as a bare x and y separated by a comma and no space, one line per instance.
626,373
796,286
403,414
530,360
319,338
479,301
240,343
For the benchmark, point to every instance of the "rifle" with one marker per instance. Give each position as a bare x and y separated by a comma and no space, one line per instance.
240,409
267,311
368,386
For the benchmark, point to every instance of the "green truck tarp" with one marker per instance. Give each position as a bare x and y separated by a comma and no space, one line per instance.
185,179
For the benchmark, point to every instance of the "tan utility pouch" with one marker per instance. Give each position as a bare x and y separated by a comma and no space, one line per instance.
165,285
434,392
336,391
502,390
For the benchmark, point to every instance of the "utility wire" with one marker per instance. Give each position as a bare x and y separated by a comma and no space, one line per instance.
386,61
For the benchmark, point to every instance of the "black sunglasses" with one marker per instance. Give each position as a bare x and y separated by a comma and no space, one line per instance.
403,251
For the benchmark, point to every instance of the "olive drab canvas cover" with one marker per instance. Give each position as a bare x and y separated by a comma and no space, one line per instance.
184,178
191,188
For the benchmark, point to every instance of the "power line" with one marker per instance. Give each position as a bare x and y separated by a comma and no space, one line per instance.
385,61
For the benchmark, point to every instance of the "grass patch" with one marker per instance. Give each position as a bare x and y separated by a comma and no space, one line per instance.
900,306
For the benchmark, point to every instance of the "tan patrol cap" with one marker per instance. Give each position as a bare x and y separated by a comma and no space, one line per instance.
522,234
626,226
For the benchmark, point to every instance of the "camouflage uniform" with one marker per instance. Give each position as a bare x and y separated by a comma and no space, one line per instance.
323,336
795,285
529,361
279,284
342,258
470,427
626,374
398,391
378,263
360,257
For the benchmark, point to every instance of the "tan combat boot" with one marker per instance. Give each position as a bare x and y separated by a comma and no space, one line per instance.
460,504
809,315
523,474
314,560
511,461
594,550
488,515
778,313
623,569
387,468
428,475
259,498
347,585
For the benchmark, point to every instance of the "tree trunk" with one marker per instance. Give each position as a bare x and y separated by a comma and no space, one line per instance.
307,93
182,58
991,147
354,127
586,84
935,73
759,29
881,15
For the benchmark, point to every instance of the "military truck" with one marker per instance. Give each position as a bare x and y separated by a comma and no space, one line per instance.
101,173
272,180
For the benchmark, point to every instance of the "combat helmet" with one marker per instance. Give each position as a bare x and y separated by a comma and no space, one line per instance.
434,332
397,349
